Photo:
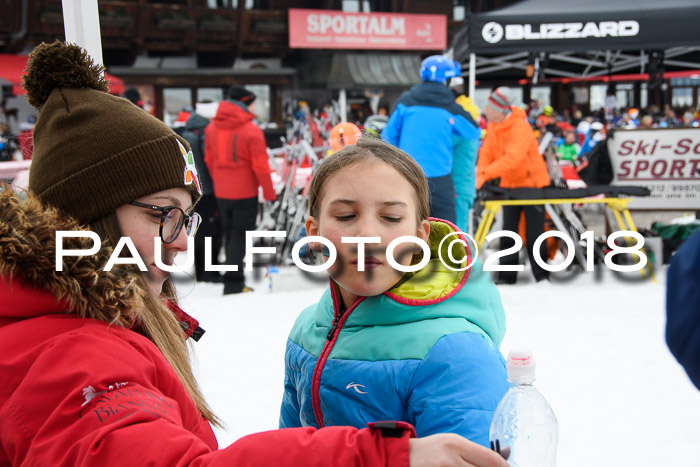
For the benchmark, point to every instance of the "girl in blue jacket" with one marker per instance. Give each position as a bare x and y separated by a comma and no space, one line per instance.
421,347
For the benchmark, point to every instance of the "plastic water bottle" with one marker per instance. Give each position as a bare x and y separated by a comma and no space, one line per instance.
524,423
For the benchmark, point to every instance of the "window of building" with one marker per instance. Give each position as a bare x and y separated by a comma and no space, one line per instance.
262,101
459,10
380,5
212,94
175,100
681,97
356,6
249,4
624,94
543,93
693,80
480,97
598,92
581,95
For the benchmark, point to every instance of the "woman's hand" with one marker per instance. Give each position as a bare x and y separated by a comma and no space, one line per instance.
443,450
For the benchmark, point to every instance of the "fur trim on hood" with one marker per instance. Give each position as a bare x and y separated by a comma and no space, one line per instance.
28,258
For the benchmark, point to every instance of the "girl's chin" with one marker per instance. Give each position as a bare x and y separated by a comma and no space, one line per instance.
368,283
365,290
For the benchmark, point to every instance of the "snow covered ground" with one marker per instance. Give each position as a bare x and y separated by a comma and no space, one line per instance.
602,362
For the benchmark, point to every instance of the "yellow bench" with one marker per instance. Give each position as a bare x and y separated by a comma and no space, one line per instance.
618,206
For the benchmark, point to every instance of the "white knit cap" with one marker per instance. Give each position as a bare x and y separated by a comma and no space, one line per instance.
206,109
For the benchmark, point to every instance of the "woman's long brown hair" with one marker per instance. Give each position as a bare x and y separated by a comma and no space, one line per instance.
157,323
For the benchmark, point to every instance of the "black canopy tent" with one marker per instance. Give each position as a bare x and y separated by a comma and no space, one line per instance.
581,38
574,25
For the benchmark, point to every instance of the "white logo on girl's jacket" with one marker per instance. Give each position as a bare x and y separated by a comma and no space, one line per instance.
356,387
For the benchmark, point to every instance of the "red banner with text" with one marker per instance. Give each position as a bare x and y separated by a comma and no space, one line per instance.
328,29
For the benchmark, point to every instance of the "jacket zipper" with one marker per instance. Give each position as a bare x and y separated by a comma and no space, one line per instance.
334,325
235,148
331,339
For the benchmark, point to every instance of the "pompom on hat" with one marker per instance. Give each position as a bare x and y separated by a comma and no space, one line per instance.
94,152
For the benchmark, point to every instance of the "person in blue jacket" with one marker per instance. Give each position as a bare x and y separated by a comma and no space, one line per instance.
683,307
465,153
423,125
420,347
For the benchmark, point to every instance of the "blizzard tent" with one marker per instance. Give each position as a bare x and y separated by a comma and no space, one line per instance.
577,25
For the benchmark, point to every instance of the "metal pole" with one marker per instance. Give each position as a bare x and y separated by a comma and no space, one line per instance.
343,104
472,74
81,21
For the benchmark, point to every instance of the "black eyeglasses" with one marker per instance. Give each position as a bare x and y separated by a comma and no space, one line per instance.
172,219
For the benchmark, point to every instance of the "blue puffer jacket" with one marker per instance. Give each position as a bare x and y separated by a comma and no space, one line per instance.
683,307
424,123
425,352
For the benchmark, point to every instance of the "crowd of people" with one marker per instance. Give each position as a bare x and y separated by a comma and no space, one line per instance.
628,118
465,150
579,134
98,369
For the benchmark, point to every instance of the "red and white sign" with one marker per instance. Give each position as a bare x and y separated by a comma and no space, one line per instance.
667,161
329,29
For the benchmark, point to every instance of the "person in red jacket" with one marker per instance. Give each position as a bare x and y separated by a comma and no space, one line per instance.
95,366
510,153
24,139
236,155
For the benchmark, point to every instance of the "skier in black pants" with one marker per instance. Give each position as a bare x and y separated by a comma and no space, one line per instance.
534,222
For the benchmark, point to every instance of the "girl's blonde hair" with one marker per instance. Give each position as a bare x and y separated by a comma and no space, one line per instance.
369,149
157,322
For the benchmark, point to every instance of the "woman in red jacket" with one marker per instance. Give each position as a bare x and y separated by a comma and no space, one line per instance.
95,368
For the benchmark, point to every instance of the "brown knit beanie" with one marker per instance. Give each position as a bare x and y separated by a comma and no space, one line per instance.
94,152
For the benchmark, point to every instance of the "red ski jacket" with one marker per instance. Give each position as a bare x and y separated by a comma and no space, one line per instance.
78,391
236,154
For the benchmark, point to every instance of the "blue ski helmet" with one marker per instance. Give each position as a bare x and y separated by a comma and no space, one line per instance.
439,69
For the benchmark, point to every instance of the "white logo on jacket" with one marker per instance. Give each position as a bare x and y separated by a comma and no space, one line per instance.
89,392
356,387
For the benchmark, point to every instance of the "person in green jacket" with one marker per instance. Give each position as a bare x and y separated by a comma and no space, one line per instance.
568,151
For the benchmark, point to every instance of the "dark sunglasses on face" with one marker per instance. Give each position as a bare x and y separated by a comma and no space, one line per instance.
172,219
